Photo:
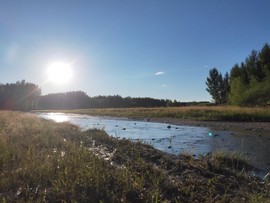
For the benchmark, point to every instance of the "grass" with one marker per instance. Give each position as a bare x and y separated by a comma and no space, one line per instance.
234,160
202,113
43,161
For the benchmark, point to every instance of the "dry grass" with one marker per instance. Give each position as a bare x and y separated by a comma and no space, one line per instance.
43,161
203,113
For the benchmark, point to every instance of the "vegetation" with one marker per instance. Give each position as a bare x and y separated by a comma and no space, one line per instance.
249,82
218,86
19,96
79,99
201,113
43,161
26,96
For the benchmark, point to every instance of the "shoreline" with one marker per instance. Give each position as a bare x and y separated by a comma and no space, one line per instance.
216,124
41,159
219,125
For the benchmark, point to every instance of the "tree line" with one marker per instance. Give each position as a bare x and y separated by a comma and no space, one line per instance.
79,99
247,84
26,96
19,96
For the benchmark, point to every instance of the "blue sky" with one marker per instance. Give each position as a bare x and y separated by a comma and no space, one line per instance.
138,48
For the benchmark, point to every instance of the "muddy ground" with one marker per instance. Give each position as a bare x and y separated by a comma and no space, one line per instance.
219,125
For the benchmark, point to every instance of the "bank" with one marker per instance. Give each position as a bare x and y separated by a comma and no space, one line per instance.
43,161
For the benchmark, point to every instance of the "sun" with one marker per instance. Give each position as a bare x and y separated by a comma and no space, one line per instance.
59,72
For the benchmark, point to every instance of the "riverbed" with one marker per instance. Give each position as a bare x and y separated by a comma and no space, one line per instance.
176,139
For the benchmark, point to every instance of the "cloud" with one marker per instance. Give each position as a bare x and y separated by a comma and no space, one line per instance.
159,73
164,85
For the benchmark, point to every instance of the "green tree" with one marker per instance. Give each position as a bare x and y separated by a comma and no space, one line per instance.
235,72
264,58
218,86
250,82
253,67
19,96
225,89
237,90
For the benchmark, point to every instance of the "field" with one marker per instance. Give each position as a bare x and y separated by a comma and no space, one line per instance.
201,113
43,161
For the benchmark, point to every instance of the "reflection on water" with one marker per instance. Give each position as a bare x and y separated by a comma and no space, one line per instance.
176,139
173,139
58,117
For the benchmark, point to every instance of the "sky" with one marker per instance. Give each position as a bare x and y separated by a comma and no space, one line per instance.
162,49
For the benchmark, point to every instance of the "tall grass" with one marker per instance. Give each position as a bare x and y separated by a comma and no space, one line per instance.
43,161
203,113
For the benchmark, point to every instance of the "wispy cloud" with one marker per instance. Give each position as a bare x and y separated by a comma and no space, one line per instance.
159,73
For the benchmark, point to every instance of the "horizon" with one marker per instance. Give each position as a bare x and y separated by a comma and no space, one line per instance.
125,97
156,49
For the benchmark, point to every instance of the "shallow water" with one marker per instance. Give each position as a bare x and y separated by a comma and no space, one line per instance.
177,139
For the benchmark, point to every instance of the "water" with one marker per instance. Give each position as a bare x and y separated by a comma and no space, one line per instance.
176,139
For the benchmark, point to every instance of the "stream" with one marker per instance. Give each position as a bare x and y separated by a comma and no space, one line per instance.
177,139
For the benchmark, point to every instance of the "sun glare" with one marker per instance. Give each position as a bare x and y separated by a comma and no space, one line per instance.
59,72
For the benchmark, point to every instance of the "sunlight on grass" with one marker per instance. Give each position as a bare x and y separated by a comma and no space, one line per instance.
44,161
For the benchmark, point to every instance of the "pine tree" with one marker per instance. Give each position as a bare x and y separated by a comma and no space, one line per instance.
225,89
217,86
